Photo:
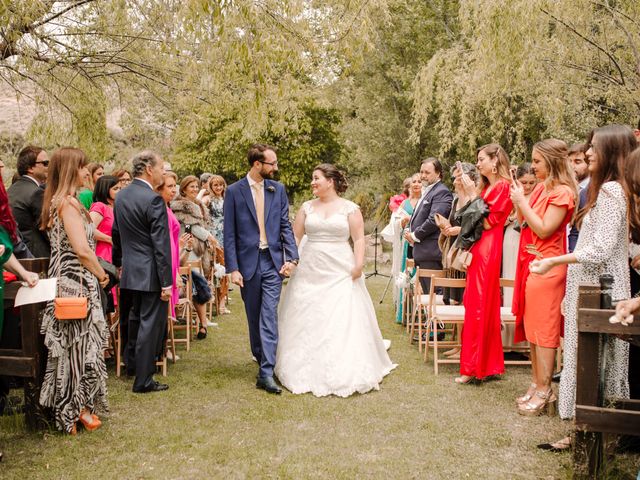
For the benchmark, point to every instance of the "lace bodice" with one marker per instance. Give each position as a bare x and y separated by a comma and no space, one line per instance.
334,228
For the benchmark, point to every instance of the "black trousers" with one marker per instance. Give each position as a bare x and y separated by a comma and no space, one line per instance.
146,323
634,350
426,282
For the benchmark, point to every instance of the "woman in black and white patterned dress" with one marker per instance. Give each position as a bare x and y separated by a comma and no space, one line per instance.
75,378
602,248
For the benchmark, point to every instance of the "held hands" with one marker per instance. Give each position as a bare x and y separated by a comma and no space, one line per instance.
517,193
236,278
287,269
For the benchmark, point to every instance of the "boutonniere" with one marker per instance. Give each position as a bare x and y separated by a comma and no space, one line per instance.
271,188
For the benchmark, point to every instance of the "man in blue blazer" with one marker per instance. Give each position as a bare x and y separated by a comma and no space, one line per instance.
259,250
423,232
142,246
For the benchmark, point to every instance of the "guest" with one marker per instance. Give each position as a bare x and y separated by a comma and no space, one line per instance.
547,214
481,355
74,384
194,219
25,198
86,196
423,232
167,190
401,218
396,200
101,212
510,249
217,188
580,167
123,176
142,246
601,248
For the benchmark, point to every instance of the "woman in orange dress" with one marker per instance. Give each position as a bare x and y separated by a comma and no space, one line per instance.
547,214
481,354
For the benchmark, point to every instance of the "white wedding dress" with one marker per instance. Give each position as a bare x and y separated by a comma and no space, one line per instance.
329,339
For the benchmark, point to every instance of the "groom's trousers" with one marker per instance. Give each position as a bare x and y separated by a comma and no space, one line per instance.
261,295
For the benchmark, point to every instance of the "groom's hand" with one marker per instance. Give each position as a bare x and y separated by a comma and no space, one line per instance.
287,268
236,277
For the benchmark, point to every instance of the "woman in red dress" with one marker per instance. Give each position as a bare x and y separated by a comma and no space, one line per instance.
481,355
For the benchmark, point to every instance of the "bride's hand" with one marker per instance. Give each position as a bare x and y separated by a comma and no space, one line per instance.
356,273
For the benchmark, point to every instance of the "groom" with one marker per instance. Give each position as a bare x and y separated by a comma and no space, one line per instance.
259,250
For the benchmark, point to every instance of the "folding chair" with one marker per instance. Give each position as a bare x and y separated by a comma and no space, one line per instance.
507,318
421,304
407,293
185,306
443,314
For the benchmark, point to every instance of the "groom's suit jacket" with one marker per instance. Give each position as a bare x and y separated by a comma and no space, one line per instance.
423,224
241,233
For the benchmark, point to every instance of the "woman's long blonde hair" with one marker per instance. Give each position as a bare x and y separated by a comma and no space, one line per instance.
219,179
556,157
62,180
503,164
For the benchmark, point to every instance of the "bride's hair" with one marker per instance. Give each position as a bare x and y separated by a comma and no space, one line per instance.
330,172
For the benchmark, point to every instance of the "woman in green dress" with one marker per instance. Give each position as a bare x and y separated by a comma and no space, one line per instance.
403,215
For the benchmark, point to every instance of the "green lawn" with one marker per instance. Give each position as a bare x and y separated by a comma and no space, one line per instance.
213,423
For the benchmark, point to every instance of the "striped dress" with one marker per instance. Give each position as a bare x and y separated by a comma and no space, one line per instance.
76,375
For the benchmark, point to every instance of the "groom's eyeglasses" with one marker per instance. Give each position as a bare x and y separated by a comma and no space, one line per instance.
268,163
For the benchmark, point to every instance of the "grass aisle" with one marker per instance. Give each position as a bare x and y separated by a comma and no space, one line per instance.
213,423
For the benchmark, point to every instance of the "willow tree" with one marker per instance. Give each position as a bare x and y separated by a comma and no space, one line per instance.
522,70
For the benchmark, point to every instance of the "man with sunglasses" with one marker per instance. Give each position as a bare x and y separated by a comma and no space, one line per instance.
25,198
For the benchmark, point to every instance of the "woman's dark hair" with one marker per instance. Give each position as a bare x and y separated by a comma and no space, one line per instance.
330,172
7,221
632,189
103,185
615,143
524,169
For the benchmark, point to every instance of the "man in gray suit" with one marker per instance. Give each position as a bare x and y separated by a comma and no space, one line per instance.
25,198
142,246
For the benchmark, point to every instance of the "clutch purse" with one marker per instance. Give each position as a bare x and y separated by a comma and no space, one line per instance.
458,259
70,308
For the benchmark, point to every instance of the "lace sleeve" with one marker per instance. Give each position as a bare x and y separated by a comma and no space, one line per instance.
350,207
306,206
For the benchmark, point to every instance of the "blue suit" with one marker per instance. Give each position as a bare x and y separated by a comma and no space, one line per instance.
259,268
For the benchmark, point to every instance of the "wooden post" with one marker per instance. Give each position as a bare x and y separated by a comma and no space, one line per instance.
587,451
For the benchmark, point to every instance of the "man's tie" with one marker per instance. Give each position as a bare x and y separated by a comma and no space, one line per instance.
259,195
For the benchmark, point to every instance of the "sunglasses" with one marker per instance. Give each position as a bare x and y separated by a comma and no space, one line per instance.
45,163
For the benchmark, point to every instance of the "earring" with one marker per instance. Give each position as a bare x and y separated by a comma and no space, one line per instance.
494,169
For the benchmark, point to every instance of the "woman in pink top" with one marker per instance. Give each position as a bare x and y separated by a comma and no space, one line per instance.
104,195
101,212
167,191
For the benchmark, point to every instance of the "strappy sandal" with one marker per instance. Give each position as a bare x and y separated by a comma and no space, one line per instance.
527,396
547,405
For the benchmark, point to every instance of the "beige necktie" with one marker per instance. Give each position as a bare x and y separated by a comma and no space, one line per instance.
259,191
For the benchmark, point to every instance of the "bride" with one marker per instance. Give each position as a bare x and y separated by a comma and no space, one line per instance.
330,343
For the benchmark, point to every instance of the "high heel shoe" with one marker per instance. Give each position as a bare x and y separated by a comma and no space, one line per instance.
202,333
547,405
90,421
464,379
527,396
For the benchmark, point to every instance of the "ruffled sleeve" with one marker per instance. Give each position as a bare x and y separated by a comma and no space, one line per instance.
562,196
499,203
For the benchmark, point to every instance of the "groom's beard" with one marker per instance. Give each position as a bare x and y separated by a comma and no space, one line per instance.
267,175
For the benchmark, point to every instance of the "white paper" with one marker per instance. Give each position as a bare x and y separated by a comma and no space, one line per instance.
44,291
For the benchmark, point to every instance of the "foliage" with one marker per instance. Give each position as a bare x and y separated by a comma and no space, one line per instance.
524,70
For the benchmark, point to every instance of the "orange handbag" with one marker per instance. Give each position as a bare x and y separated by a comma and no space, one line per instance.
70,308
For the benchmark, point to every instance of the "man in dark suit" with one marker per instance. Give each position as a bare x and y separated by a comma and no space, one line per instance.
422,233
142,246
25,198
259,249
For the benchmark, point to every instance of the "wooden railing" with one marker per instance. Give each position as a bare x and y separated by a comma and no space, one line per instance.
29,360
593,417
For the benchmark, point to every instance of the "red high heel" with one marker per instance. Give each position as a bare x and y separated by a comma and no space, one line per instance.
93,424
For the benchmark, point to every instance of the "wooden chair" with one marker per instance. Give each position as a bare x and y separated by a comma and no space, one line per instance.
453,315
407,294
185,306
421,304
